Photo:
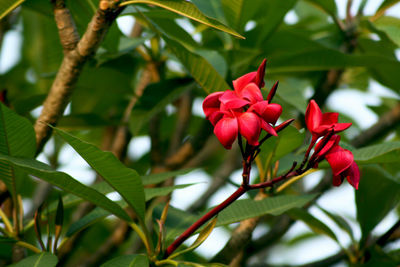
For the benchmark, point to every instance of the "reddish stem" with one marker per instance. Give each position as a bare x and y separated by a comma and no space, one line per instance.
185,235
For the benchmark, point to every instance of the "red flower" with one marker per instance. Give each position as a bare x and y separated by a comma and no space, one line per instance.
319,124
341,161
243,110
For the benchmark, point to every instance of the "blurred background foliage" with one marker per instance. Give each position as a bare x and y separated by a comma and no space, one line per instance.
311,49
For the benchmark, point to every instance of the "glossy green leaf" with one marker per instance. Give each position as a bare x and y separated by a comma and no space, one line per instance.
315,224
329,6
378,194
248,208
385,152
201,70
127,261
7,6
44,259
204,233
17,139
186,9
124,180
92,217
65,182
391,26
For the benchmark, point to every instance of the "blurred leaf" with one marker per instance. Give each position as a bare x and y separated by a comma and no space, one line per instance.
292,92
154,99
233,11
127,260
65,182
44,259
315,224
329,6
340,221
377,195
212,8
202,71
124,180
163,191
391,26
386,4
7,6
17,139
186,9
95,215
379,153
204,233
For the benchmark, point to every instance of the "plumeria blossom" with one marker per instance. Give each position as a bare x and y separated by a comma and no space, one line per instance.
341,160
242,111
319,124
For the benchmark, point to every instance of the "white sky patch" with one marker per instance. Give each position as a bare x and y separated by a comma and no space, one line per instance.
138,147
291,17
125,24
197,107
185,197
10,52
250,25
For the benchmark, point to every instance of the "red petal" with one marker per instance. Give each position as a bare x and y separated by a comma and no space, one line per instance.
252,93
353,175
241,82
249,127
333,141
329,118
337,180
338,127
259,80
232,101
259,107
268,128
272,92
215,117
313,116
272,113
226,131
211,103
340,159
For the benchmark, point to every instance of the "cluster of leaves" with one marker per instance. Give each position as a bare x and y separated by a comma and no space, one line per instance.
317,51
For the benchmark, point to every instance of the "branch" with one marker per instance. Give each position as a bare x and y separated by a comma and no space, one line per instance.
76,54
383,126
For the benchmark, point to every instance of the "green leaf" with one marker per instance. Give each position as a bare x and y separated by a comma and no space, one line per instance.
386,4
233,11
186,9
340,221
204,233
315,224
127,261
248,208
379,153
329,6
124,180
378,194
98,213
44,259
178,220
6,6
201,70
391,26
17,139
66,182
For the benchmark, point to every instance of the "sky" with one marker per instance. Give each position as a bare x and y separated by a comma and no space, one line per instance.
339,200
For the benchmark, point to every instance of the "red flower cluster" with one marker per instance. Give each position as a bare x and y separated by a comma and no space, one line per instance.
242,111
341,160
